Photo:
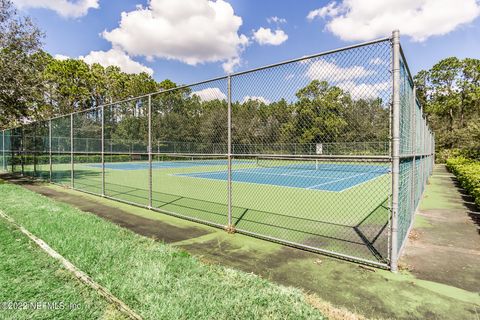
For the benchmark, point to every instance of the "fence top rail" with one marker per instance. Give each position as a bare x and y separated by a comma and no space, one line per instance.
316,55
217,78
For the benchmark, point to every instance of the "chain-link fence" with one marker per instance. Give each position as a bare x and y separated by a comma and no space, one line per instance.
328,153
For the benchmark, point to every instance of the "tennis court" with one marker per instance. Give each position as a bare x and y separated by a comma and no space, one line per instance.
312,175
315,208
289,152
326,177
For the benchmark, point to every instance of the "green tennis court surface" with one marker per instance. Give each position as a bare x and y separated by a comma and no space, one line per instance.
352,222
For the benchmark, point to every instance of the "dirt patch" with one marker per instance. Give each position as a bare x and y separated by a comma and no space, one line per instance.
147,227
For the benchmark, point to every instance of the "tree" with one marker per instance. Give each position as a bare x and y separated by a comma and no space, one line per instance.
450,94
20,39
318,116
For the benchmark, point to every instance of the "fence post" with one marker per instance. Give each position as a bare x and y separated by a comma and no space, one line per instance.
50,150
425,169
12,151
34,151
149,151
22,151
413,120
72,183
229,154
395,148
422,157
433,150
3,150
103,150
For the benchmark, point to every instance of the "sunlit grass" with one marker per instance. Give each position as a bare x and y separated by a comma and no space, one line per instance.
156,280
35,286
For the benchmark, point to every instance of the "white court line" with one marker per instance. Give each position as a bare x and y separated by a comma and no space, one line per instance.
186,175
287,173
358,184
338,180
202,176
264,173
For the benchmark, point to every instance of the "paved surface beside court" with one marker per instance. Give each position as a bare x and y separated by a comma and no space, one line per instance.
445,214
444,245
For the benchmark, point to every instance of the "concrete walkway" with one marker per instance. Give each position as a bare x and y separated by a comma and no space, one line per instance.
431,285
444,245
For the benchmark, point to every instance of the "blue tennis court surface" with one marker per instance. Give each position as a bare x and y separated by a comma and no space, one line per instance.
327,177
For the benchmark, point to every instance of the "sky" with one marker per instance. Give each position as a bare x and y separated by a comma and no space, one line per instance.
191,40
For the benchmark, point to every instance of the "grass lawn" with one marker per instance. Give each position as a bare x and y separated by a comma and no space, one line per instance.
351,222
28,275
154,279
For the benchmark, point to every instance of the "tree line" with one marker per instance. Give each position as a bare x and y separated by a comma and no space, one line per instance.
36,86
450,94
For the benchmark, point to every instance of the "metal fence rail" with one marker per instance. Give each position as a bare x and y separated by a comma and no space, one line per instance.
328,153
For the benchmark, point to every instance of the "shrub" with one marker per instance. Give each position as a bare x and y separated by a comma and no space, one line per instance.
65,158
443,155
467,172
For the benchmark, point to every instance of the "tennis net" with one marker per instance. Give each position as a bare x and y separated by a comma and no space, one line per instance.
324,164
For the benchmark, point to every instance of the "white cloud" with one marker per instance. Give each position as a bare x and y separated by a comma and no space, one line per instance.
229,65
67,9
377,61
116,57
330,10
332,73
276,19
253,98
266,36
420,19
357,80
209,94
364,90
61,57
191,31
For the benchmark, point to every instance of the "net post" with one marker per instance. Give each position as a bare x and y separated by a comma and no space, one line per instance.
395,149
103,150
149,151
230,226
50,150
72,182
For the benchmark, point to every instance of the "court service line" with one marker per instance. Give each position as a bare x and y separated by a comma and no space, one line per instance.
186,175
363,182
338,180
264,173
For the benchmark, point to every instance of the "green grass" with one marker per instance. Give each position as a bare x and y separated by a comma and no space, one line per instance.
350,222
28,275
156,280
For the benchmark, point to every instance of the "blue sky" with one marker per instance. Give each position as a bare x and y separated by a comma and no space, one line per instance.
427,35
